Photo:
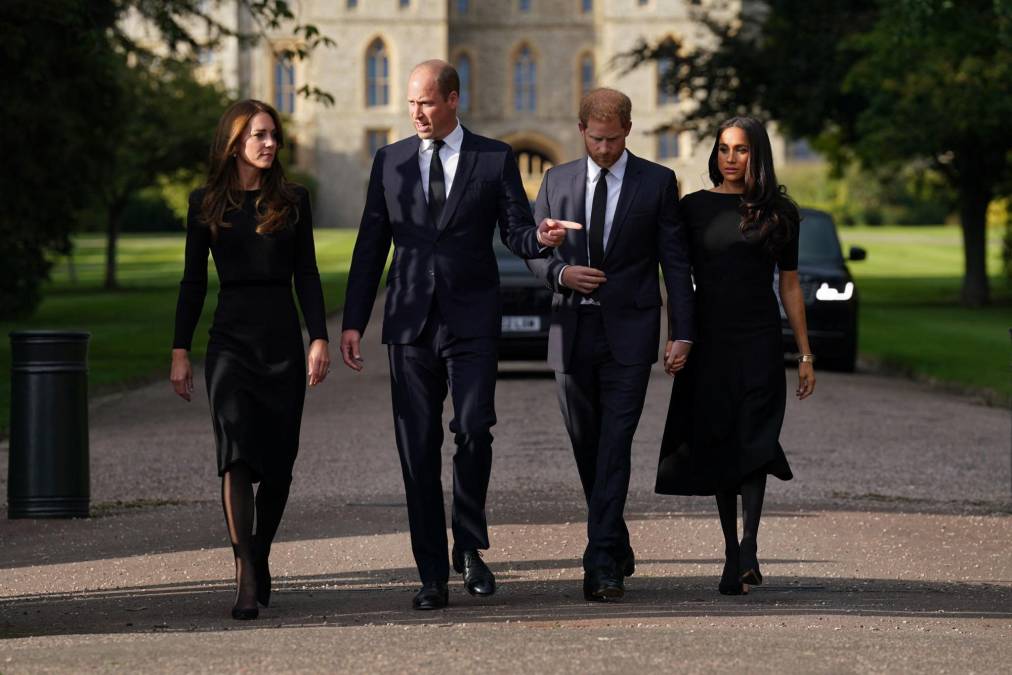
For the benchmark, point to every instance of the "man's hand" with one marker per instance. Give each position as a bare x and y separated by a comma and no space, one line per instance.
582,279
350,351
676,354
552,232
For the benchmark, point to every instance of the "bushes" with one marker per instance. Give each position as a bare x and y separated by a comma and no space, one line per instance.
914,196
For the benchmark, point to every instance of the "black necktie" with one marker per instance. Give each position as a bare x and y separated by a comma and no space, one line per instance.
437,184
597,210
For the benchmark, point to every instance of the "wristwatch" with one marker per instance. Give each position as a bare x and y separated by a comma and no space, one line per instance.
806,358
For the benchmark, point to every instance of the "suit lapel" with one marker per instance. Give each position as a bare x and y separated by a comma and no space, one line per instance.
630,183
465,165
578,238
411,175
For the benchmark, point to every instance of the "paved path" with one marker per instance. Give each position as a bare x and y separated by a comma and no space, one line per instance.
888,552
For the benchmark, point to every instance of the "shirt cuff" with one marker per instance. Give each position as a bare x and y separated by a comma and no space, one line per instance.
560,275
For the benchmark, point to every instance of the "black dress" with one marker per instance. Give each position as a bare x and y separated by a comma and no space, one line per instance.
255,364
727,404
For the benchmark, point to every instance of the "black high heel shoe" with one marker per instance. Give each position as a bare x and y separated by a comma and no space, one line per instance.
262,570
730,580
748,564
242,613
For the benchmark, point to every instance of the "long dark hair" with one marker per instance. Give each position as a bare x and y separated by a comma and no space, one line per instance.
276,204
766,210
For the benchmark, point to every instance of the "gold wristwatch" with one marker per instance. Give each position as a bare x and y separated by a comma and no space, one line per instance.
806,358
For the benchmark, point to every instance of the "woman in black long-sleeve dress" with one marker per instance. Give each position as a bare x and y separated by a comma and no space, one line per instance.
259,229
722,435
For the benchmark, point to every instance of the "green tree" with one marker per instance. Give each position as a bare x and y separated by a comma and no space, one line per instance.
69,98
885,82
165,128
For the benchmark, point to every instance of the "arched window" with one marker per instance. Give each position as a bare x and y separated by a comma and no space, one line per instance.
667,145
284,85
377,75
586,74
665,87
463,67
525,81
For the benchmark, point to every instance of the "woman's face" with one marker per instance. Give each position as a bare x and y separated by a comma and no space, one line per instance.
732,155
259,144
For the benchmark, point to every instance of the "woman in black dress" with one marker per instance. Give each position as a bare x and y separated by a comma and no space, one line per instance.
722,435
259,229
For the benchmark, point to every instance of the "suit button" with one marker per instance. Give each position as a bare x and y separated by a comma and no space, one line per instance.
432,273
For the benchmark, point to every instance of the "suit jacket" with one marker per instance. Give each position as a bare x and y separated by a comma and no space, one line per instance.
452,261
646,231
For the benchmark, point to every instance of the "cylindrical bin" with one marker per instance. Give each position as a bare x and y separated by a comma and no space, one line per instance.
48,470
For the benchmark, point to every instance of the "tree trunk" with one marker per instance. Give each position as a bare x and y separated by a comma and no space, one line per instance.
974,196
112,237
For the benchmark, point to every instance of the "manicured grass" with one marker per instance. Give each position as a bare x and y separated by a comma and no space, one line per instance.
131,329
910,317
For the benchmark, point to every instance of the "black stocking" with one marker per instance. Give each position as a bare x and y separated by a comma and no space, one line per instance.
753,489
727,507
237,502
272,495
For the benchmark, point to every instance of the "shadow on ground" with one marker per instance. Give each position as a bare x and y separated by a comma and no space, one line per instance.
383,596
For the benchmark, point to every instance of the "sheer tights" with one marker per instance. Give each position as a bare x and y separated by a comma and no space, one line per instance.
241,507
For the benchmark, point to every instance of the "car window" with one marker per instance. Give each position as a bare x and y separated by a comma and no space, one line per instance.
818,241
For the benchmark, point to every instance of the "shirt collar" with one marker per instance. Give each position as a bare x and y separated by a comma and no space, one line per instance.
453,140
617,169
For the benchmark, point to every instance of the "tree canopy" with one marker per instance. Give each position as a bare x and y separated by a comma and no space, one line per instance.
92,115
883,82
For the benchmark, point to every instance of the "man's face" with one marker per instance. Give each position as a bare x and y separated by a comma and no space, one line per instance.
605,140
433,116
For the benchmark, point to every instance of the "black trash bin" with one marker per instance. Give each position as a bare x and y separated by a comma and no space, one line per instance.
48,470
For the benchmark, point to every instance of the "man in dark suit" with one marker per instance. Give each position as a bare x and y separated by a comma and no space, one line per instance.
606,314
438,195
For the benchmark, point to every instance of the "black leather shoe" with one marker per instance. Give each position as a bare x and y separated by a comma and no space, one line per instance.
434,595
478,578
601,587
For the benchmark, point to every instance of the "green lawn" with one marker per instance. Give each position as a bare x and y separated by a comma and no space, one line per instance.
910,318
131,330
909,285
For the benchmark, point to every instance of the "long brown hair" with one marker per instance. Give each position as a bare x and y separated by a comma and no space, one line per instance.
766,210
276,204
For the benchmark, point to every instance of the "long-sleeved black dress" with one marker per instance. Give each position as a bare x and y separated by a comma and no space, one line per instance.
727,404
255,364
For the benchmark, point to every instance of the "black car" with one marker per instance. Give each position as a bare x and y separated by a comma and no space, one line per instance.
526,309
830,294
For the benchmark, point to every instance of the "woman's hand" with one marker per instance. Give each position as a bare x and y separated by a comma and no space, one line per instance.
181,374
319,362
806,380
676,354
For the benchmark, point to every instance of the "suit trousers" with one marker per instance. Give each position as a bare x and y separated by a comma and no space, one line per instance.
420,374
601,403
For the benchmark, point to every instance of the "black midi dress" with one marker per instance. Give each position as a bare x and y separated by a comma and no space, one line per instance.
255,364
727,404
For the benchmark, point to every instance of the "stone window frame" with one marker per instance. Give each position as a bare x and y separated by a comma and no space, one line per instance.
580,56
466,51
663,100
514,55
388,53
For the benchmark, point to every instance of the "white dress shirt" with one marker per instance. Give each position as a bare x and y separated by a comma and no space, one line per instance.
449,154
614,182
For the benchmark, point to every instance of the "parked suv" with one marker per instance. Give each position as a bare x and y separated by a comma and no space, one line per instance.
830,293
